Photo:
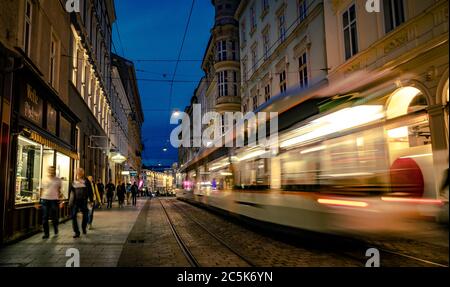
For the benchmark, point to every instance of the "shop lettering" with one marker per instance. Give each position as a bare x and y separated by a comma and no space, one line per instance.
32,106
31,113
31,95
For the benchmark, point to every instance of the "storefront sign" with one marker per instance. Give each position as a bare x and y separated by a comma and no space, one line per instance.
39,139
32,106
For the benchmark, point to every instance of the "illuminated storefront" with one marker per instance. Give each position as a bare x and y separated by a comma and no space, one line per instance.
43,135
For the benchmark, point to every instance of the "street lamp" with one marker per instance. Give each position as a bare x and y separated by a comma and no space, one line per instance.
164,149
118,158
176,113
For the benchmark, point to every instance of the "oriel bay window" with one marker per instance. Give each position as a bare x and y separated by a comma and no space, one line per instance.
223,83
222,50
235,84
233,51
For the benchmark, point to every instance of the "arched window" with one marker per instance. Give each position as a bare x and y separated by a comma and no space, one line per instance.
404,101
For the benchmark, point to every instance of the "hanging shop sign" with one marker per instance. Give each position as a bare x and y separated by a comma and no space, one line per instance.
31,107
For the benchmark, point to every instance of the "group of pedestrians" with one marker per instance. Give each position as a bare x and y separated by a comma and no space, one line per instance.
84,196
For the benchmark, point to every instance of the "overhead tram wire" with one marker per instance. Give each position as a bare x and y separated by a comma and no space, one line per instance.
179,53
120,39
172,81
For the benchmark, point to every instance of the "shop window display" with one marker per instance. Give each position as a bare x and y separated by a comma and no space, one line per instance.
63,172
29,158
33,161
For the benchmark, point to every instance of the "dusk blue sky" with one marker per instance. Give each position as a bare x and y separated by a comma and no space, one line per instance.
154,30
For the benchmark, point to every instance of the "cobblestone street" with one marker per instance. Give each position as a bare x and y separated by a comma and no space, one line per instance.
149,235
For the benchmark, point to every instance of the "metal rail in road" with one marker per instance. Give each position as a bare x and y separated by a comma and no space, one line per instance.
185,249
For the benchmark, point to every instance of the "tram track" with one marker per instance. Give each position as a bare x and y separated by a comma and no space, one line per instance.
184,246
352,248
184,249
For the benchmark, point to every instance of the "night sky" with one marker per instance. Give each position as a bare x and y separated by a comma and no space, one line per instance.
153,30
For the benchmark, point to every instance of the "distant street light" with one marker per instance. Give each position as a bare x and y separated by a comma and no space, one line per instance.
176,113
164,149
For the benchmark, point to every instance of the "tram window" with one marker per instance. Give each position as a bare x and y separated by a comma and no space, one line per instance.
417,134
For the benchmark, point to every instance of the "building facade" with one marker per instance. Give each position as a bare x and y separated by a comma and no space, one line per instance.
38,127
90,83
282,47
57,104
218,90
221,59
134,115
120,108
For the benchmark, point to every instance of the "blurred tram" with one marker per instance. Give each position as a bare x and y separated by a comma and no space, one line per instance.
353,163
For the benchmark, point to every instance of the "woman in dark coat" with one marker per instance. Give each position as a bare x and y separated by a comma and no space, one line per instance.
121,193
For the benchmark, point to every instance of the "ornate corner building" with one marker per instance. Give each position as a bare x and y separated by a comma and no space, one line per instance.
221,60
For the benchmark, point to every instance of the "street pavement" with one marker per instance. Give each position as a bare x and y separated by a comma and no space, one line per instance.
100,247
142,236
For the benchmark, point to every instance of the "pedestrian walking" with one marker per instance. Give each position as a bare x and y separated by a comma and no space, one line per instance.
110,188
79,195
121,193
101,191
134,193
50,196
128,192
95,203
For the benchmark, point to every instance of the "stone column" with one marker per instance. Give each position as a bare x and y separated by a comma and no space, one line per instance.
439,145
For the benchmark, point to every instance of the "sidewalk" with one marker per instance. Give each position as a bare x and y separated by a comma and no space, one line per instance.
101,247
